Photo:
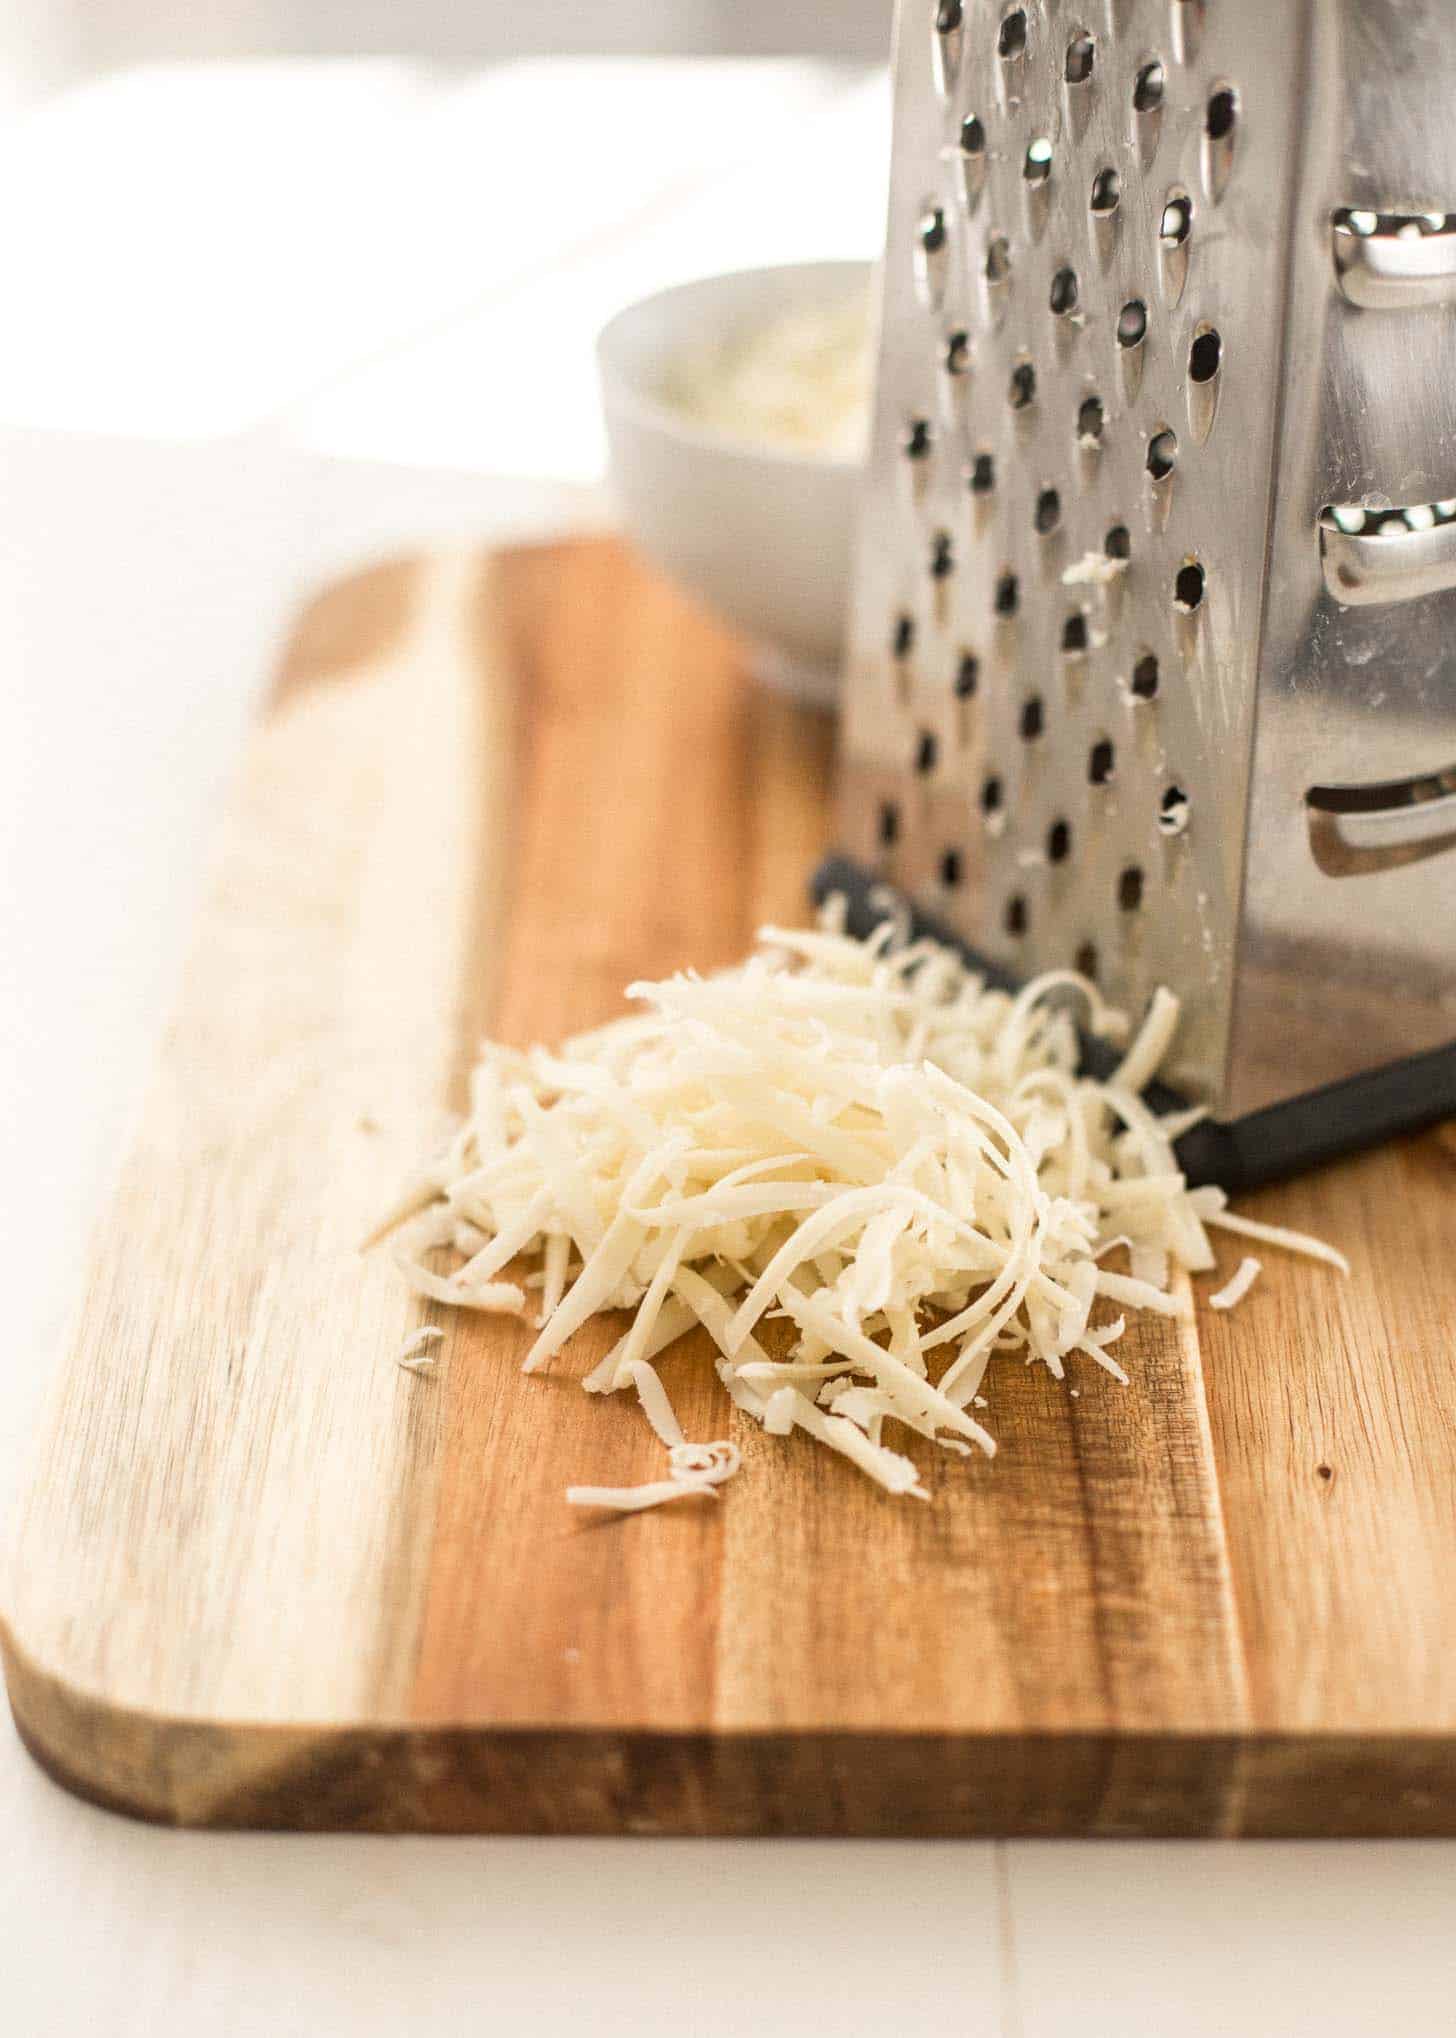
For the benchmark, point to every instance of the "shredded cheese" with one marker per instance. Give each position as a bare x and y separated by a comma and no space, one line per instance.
692,1468
633,1499
1211,1205
1234,1291
863,1172
412,1354
1093,569
801,379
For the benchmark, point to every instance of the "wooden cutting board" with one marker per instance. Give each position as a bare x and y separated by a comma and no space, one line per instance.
266,1577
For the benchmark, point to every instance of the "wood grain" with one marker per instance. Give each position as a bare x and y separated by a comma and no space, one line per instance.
265,1577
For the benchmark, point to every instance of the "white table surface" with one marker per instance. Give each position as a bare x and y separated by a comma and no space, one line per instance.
260,324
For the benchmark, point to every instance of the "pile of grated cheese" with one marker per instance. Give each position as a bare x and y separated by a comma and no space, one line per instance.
856,1140
802,379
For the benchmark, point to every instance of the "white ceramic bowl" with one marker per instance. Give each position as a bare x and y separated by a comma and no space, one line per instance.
762,534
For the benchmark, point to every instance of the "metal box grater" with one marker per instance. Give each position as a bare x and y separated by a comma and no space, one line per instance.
1153,650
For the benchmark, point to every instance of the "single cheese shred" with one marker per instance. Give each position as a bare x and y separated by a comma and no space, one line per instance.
865,1174
414,1356
1234,1291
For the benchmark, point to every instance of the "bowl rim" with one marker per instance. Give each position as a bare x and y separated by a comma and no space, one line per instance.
652,411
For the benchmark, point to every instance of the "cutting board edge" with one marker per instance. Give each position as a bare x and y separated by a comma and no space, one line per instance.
392,1776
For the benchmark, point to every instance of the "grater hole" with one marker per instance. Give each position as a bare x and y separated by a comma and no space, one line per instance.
927,752
1220,123
1106,192
983,474
1132,324
993,795
1066,293
1081,59
968,676
1351,518
1008,595
1400,226
916,440
952,868
1118,543
973,159
1146,677
1033,719
1177,222
1162,455
949,38
932,253
1085,961
1101,762
1048,512
1012,40
1059,841
1149,86
1222,114
889,824
1091,421
1173,811
932,229
942,556
1189,587
1130,888
1021,391
1036,165
998,260
1016,919
1175,231
1074,635
902,643
1205,356
957,353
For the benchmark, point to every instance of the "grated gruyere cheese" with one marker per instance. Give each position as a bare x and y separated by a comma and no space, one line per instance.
801,379
1233,1293
412,1354
858,1142
1093,569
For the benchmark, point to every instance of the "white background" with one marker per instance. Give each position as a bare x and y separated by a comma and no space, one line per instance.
260,323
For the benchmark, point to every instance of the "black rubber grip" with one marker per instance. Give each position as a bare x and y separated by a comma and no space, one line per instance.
1243,1153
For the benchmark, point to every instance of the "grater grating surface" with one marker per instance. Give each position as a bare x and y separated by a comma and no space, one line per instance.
1101,637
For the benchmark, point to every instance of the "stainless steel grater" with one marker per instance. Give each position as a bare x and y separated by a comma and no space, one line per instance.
1153,651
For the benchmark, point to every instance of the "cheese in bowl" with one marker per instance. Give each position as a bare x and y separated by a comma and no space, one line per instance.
735,410
801,379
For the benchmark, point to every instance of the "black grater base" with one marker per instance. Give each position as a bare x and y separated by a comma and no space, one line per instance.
1244,1153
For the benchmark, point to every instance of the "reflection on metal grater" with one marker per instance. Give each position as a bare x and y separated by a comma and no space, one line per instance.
1153,654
